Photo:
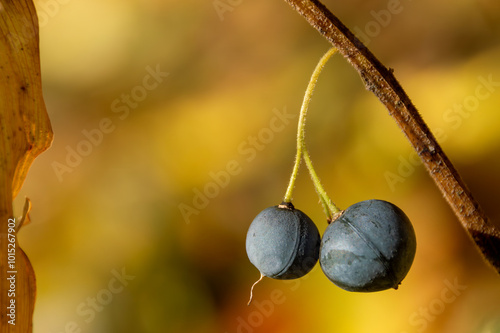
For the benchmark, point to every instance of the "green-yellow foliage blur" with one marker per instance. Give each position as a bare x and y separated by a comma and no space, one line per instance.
174,126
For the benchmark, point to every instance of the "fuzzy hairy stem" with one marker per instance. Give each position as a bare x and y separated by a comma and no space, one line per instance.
381,81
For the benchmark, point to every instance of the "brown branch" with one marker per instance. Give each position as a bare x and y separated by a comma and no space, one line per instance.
380,80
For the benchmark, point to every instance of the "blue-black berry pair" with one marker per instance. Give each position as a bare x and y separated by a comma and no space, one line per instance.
368,247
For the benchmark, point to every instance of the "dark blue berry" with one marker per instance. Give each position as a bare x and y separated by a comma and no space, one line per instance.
370,247
283,242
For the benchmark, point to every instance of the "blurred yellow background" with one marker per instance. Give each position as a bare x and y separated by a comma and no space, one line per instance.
154,102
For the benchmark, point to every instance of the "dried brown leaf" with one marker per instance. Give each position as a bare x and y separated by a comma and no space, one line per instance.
25,132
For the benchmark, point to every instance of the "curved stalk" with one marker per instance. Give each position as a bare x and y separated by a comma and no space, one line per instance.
327,203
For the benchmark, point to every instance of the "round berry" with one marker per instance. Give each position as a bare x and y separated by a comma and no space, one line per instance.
283,242
369,247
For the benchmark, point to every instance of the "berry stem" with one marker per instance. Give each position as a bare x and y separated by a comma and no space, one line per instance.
328,205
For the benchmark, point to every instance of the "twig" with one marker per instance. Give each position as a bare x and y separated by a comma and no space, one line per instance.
381,81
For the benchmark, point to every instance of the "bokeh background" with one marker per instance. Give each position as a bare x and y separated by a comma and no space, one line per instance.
114,208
